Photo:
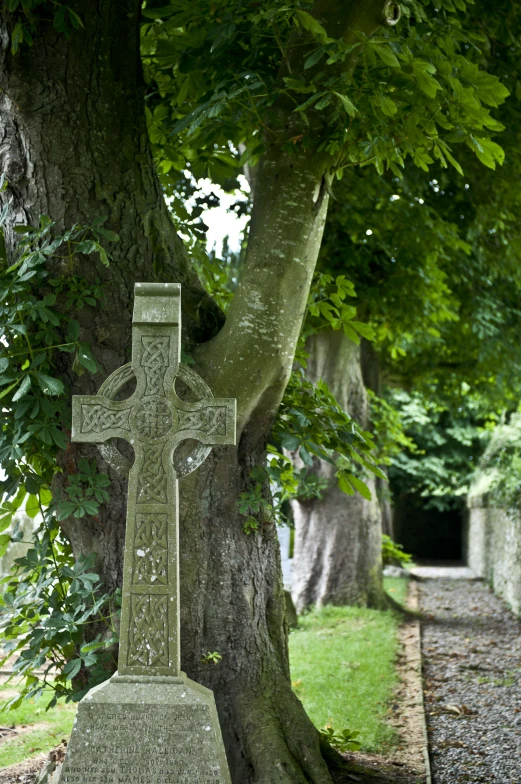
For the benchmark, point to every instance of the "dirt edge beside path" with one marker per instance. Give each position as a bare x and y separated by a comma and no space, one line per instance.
408,717
408,762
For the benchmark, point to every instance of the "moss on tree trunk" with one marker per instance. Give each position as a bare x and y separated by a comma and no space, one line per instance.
338,538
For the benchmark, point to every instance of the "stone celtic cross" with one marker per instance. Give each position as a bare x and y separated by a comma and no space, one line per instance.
155,420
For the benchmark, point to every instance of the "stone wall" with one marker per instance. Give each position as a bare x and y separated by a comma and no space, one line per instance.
493,547
493,534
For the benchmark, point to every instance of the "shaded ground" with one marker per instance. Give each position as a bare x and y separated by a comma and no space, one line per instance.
472,671
23,773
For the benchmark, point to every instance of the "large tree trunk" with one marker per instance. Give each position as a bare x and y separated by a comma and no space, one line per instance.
74,146
372,377
338,538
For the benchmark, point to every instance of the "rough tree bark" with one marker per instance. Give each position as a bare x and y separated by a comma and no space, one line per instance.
73,144
338,539
372,376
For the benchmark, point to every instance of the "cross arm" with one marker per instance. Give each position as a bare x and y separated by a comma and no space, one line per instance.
210,421
96,419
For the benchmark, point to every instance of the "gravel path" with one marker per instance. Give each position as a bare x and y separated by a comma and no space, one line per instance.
472,670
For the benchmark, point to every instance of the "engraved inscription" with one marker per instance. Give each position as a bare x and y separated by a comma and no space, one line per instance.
152,480
144,745
153,419
151,550
154,361
98,419
211,420
148,632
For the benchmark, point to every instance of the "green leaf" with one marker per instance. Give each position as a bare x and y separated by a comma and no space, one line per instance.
290,442
72,668
73,329
22,390
159,13
5,540
487,151
346,103
17,38
311,24
86,359
343,483
32,507
386,55
364,329
388,106
360,486
427,83
49,385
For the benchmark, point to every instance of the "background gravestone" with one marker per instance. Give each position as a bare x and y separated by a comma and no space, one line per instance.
150,724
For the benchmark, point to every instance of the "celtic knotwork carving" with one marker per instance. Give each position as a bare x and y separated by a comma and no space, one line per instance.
151,550
148,631
153,419
154,361
210,421
152,480
98,419
116,381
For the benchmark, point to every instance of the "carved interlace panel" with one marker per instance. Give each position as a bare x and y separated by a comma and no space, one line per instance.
98,419
153,419
148,631
151,550
154,361
152,479
210,421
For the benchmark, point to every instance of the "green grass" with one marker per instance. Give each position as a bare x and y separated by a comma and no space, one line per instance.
397,588
342,667
48,730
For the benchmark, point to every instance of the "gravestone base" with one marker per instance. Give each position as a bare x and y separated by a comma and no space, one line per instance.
141,730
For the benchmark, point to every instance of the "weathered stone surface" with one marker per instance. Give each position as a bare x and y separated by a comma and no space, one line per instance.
147,731
155,421
150,724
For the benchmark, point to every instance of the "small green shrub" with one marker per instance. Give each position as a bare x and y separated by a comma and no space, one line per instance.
393,554
344,740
